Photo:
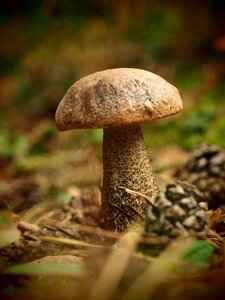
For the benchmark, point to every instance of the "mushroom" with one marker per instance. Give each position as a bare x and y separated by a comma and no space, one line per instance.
119,100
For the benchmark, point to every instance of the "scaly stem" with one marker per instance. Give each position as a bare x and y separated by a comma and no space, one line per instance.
125,165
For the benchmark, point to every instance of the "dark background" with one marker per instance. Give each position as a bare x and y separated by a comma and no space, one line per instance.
47,45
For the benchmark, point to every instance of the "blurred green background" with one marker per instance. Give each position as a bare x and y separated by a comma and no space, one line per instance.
47,45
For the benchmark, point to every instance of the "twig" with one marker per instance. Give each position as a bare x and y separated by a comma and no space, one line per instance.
133,193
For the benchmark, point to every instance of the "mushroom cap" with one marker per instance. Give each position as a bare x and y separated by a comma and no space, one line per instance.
117,97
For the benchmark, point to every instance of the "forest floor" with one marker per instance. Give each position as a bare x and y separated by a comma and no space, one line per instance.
51,237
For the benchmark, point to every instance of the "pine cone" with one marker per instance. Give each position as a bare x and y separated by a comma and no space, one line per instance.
179,209
205,168
20,195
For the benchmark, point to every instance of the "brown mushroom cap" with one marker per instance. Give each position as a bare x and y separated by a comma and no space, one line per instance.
117,97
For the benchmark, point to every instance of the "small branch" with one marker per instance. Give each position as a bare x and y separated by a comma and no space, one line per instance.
133,193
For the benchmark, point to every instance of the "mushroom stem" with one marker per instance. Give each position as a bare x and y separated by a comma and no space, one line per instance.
125,166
